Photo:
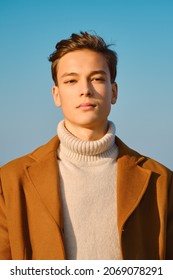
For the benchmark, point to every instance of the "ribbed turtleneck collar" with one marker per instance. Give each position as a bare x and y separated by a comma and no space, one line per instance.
74,148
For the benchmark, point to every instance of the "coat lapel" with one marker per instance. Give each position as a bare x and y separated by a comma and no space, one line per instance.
43,174
132,181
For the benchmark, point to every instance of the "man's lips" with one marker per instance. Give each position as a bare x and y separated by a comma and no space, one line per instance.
86,105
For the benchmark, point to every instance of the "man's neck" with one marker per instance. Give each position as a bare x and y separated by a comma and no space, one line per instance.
87,133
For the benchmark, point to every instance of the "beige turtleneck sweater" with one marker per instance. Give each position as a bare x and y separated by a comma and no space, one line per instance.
88,193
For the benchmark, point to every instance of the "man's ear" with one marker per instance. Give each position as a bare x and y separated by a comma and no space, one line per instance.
114,93
56,96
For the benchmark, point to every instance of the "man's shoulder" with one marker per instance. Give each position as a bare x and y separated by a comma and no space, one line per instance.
140,159
37,154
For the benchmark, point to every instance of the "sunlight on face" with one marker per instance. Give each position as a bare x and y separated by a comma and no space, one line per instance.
84,90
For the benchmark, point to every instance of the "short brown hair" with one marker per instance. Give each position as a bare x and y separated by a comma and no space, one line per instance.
80,41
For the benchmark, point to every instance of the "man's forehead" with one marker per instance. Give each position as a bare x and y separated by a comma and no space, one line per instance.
82,55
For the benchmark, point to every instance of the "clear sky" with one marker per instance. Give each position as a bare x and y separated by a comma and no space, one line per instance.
142,34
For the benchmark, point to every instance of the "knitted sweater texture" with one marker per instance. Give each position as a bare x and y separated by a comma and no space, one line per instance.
88,192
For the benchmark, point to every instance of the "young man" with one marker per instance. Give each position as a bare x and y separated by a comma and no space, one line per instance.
85,194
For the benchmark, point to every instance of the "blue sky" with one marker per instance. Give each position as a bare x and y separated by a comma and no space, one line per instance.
141,31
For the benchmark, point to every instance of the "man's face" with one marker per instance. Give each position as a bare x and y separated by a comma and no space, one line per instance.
84,90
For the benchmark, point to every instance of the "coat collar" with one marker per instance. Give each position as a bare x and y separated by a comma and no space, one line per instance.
132,180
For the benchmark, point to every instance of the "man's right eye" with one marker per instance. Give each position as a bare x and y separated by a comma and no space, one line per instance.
71,81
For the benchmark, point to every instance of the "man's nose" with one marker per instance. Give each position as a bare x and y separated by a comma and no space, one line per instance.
86,89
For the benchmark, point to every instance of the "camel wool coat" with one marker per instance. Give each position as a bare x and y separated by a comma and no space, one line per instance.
31,225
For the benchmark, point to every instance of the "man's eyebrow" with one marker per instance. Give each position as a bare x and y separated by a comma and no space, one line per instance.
66,74
95,72
98,72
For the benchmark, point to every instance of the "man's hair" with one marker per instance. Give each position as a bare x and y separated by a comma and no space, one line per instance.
81,41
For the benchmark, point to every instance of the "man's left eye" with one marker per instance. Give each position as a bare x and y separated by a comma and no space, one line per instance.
98,79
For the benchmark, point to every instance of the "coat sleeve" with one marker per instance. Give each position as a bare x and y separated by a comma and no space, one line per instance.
169,242
5,252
